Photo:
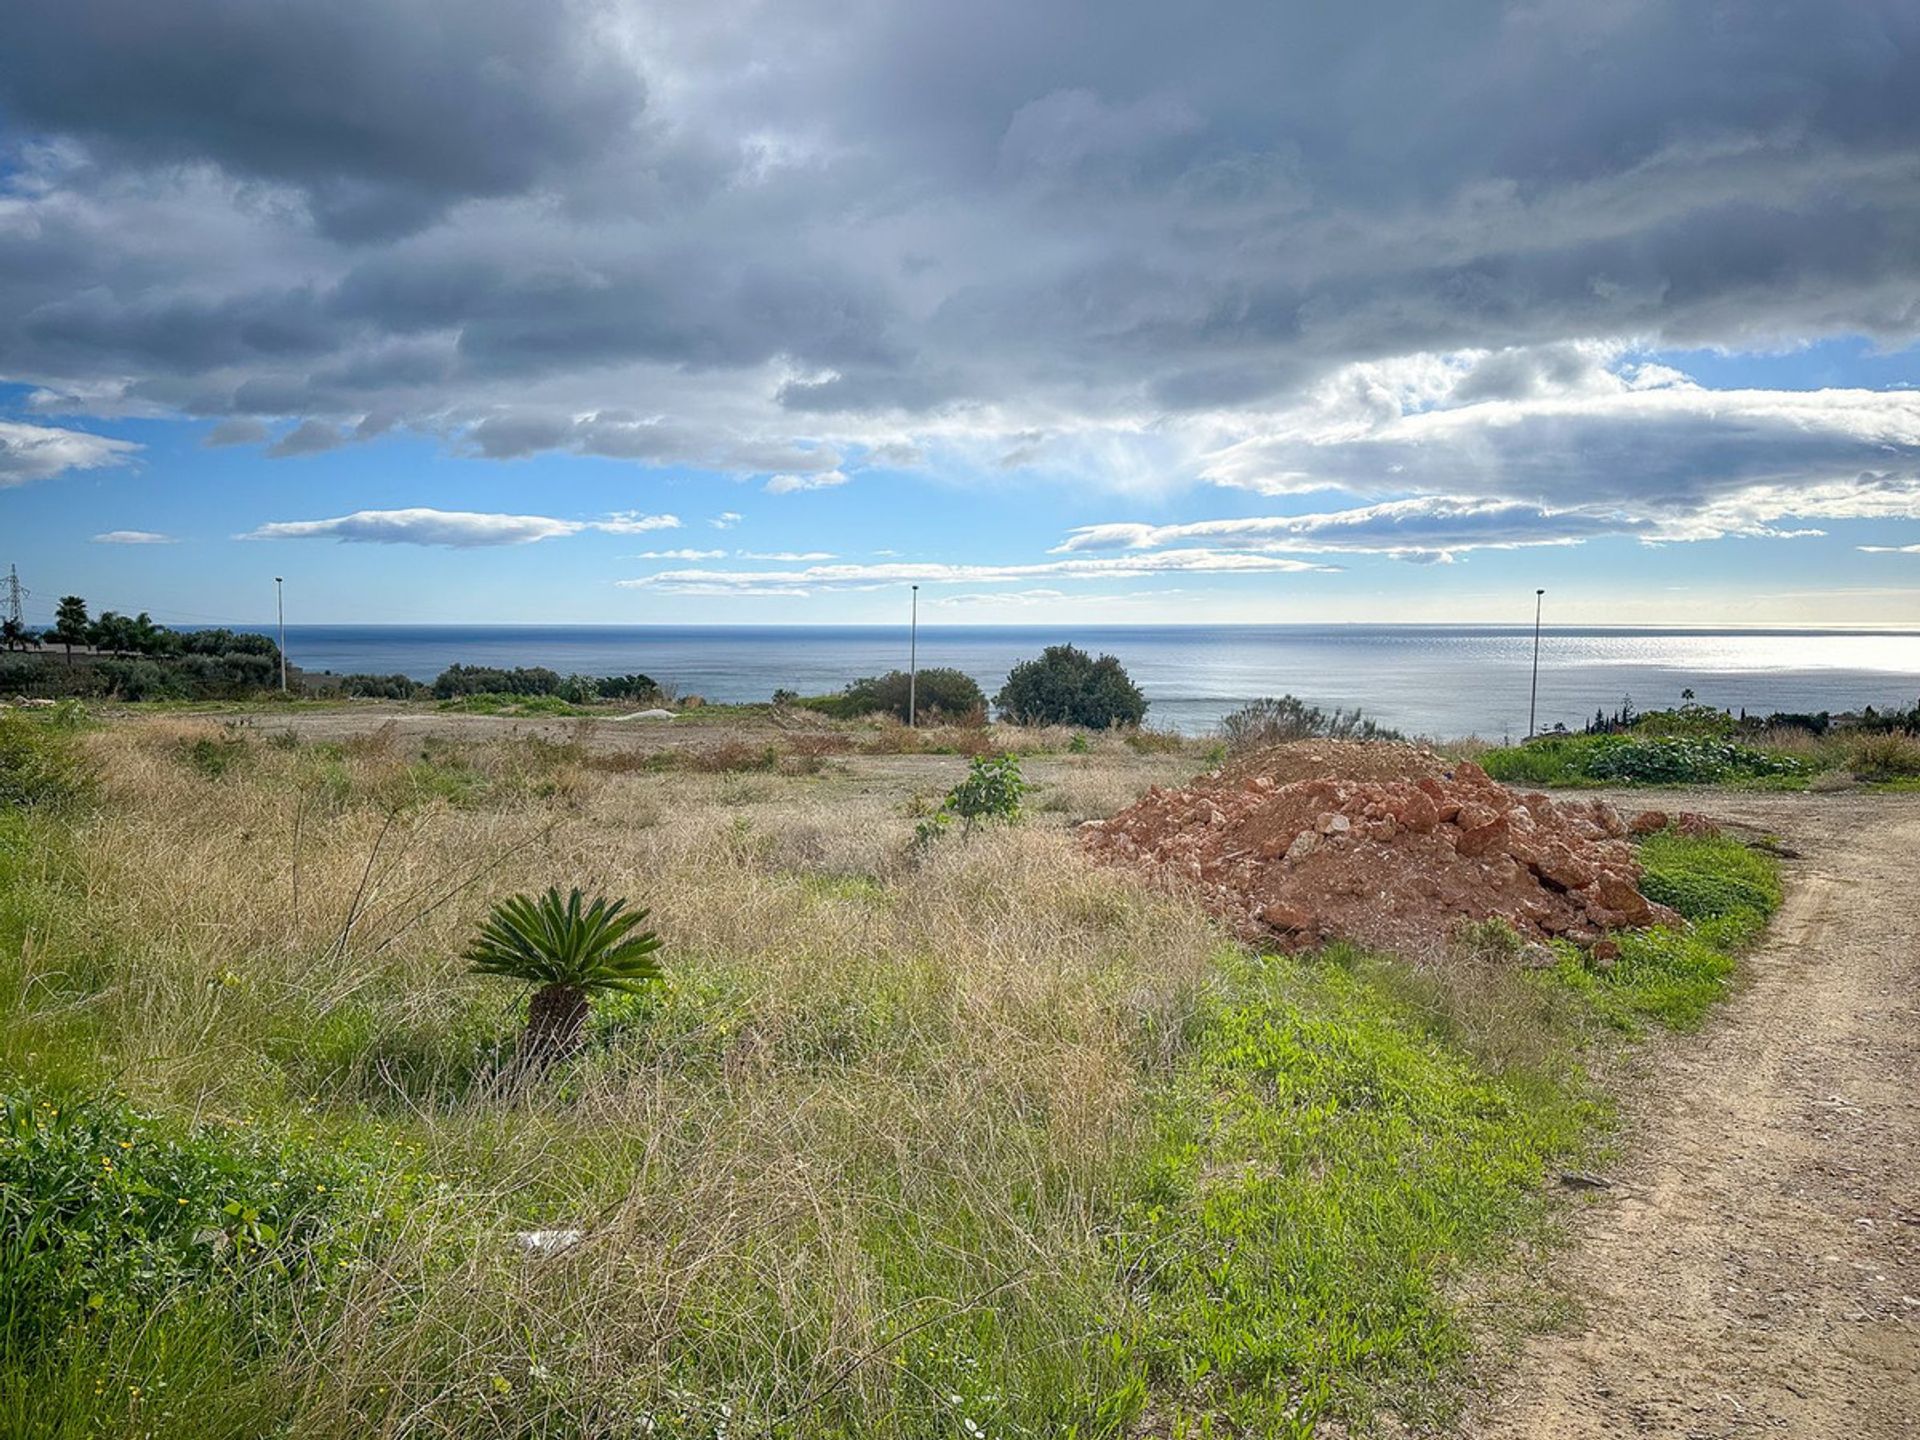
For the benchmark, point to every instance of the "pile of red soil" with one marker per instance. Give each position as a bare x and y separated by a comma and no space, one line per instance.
1395,863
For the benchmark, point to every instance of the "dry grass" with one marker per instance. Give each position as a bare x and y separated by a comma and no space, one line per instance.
857,1060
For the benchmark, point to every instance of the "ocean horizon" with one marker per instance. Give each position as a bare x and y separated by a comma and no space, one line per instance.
1427,679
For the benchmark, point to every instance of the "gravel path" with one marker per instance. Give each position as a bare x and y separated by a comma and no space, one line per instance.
1757,1269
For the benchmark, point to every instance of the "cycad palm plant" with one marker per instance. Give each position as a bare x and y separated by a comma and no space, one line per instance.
569,949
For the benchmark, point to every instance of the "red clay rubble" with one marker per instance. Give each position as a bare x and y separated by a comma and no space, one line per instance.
1395,863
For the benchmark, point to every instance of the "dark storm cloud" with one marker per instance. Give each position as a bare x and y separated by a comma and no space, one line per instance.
309,437
758,237
383,113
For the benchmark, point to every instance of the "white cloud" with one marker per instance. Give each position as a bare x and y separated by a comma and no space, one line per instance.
1017,600
726,520
1667,460
132,537
788,555
793,484
679,555
456,529
1889,549
40,452
1427,529
841,577
633,522
1009,597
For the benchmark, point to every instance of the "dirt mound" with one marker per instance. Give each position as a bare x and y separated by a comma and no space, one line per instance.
1338,760
1396,863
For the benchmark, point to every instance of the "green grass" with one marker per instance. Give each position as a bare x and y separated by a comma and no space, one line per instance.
1644,760
40,759
1673,976
1328,1167
520,706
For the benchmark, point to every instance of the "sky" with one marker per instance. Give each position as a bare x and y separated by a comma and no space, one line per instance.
759,313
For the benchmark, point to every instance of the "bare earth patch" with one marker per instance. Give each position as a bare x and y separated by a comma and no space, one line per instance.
1394,863
1756,1268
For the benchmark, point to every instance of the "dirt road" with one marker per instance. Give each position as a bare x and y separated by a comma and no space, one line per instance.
1756,1270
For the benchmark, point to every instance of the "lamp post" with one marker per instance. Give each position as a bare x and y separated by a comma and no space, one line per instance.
280,608
913,661
1533,701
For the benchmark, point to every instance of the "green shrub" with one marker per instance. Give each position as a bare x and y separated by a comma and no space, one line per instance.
570,952
1067,686
1638,760
1273,722
948,693
991,792
1690,719
457,680
381,687
628,687
40,761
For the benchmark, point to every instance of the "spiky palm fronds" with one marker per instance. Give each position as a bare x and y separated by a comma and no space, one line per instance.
569,950
546,940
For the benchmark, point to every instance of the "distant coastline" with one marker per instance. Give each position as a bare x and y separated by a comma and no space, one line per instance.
1423,678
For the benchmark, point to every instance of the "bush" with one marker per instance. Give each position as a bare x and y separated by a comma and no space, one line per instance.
1273,722
381,687
991,792
1638,760
628,687
40,764
1066,686
458,680
1888,755
943,692
1690,719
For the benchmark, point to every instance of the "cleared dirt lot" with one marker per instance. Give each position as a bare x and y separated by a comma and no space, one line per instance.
1756,1269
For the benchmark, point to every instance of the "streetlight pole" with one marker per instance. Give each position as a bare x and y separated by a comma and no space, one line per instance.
280,606
913,662
1533,702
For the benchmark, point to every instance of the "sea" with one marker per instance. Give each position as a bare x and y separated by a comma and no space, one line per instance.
1433,680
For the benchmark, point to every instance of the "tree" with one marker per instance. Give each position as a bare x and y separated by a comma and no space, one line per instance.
112,632
70,624
1067,686
18,636
569,953
990,792
950,693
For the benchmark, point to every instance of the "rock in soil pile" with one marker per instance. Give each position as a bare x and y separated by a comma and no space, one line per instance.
1396,863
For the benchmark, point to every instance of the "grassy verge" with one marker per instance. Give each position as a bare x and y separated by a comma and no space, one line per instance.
1765,760
976,1142
1645,760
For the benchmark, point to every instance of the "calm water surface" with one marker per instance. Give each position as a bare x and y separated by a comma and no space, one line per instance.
1432,680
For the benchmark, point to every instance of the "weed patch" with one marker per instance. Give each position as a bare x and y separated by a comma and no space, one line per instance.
1641,760
1325,1165
1670,976
40,761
